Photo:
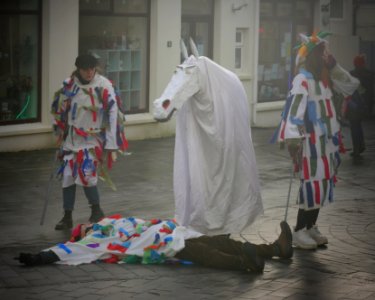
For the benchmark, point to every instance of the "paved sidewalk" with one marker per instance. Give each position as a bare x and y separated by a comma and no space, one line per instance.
345,269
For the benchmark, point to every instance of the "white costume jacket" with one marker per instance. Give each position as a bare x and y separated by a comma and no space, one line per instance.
87,121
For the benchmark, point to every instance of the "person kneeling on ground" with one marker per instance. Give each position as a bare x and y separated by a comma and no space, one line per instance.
131,240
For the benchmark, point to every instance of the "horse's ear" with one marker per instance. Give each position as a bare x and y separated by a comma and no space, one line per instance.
184,51
193,48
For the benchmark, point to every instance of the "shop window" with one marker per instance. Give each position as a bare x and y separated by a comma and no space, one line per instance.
280,24
20,23
197,23
117,33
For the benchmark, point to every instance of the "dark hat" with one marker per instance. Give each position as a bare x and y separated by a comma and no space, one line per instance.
85,61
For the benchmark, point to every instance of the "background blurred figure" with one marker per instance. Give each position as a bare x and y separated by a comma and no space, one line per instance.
367,80
356,110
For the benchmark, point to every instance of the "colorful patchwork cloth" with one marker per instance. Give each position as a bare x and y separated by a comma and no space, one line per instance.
309,118
116,239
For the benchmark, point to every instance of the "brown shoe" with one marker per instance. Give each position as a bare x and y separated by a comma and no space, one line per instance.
283,245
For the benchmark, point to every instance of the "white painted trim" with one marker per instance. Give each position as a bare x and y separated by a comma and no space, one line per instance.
24,129
245,77
270,106
137,119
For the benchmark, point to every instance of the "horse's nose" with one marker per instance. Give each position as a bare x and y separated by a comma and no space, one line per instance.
166,103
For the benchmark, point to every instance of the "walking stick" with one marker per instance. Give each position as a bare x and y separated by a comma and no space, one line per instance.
49,184
290,187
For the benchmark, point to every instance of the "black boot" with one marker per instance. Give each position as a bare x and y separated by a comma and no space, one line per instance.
283,245
42,258
66,222
96,213
255,263
29,259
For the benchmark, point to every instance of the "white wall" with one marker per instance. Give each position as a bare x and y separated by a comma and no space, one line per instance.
343,45
366,22
226,20
165,26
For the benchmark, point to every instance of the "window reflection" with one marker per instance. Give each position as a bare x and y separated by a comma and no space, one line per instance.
197,23
280,23
19,62
120,41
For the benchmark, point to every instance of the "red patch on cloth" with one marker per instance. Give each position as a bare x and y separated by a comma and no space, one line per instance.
112,260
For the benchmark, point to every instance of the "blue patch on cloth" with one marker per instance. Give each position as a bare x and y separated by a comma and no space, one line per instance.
65,248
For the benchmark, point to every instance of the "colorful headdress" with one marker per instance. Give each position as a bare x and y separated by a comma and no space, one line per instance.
308,43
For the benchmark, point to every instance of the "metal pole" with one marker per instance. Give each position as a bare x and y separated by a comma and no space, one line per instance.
49,184
290,187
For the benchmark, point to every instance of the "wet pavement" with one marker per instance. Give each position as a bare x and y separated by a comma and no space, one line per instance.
345,269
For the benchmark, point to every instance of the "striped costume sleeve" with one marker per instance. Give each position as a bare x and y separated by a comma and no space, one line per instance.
294,115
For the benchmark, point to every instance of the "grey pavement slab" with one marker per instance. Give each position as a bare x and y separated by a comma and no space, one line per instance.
345,269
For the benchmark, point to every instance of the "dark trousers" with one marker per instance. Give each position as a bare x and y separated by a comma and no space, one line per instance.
306,218
358,140
220,252
69,196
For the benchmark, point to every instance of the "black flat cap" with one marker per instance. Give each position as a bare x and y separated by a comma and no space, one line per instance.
86,61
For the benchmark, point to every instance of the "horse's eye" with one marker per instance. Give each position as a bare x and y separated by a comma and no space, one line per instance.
166,103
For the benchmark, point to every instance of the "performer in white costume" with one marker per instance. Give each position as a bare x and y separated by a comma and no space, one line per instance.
90,130
216,184
310,128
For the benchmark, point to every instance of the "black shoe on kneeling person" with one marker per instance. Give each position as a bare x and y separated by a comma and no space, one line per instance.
255,263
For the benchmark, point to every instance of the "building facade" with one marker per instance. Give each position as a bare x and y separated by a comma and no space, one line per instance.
138,46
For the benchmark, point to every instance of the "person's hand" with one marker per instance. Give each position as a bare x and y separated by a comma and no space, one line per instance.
114,155
295,152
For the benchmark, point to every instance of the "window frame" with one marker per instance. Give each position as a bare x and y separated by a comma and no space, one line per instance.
240,45
39,13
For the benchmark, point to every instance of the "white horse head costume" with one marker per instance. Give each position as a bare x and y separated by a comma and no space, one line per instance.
216,184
